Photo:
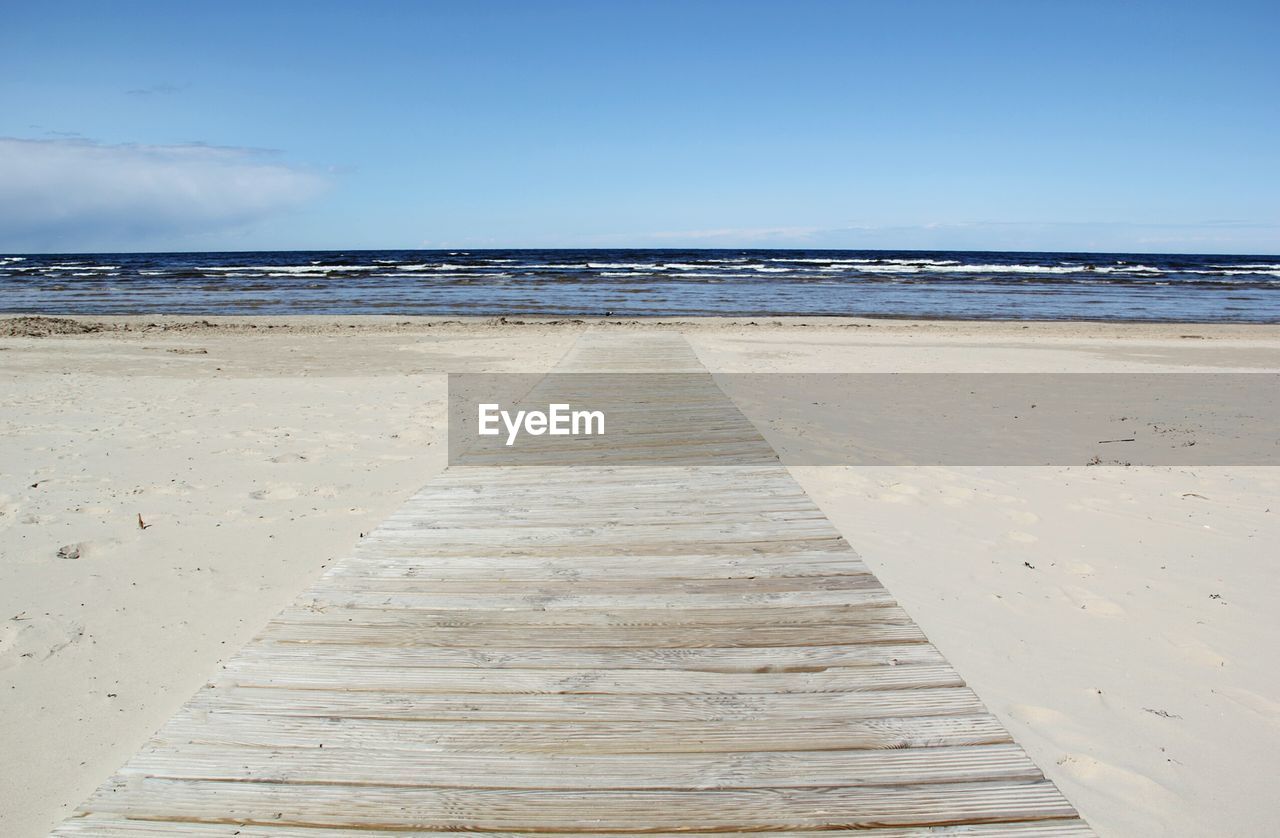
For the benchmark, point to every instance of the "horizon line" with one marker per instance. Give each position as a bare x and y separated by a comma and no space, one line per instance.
457,250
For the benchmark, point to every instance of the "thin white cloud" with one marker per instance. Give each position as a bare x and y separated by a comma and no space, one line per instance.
73,194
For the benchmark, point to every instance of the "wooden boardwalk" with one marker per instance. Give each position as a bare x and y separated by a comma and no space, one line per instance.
593,651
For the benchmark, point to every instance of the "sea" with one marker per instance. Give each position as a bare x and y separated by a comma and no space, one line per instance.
645,283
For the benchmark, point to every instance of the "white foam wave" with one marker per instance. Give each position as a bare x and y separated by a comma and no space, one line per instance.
1125,269
546,266
452,275
427,266
1275,271
912,262
889,269
1016,269
901,266
823,261
288,269
78,266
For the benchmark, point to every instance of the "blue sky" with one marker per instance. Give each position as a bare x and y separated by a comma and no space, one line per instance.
1114,126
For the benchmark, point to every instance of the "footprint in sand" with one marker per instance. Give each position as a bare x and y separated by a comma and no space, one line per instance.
25,639
8,511
276,491
289,458
1021,537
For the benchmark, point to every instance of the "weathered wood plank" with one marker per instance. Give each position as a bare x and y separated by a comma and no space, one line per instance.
324,598
601,737
620,619
107,827
419,564
405,632
784,711
380,807
561,589
743,770
322,674
757,659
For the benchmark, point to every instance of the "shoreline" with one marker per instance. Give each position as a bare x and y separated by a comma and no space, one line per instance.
70,325
259,449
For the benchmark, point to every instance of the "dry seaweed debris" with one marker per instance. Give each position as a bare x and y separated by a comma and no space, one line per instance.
39,327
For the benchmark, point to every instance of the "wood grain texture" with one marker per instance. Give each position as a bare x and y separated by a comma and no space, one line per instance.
643,647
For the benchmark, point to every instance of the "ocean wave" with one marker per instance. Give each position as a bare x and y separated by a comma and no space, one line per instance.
1126,269
804,260
71,266
933,262
1016,269
706,275
908,266
289,269
511,265
448,276
444,266
1252,271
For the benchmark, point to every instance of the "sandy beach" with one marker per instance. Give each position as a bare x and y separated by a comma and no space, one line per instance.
168,484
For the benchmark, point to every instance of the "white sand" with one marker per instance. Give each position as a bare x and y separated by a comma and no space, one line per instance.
1136,659
1153,703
